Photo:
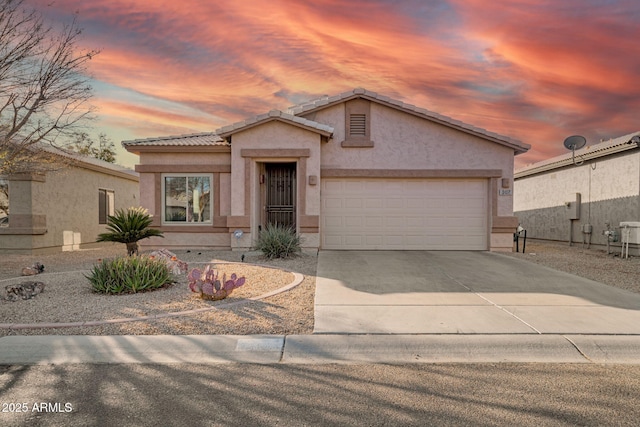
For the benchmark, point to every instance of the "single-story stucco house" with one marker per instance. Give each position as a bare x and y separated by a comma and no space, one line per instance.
63,210
354,171
577,198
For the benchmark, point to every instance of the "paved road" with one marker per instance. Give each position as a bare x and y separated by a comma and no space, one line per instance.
341,395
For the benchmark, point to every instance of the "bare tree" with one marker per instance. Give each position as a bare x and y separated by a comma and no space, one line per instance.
44,87
84,145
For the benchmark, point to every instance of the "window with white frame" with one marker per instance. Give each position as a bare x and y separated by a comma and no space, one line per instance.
106,205
187,198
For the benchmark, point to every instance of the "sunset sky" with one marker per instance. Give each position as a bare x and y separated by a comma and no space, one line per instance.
535,70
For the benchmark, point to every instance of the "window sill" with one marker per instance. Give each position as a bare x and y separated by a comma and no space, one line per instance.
22,231
186,228
357,143
187,224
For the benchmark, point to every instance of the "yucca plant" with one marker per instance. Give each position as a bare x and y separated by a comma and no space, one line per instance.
124,275
129,226
277,241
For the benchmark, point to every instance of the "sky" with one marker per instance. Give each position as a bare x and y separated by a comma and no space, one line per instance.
535,70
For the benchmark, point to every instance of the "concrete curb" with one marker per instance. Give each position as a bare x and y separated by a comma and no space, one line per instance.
320,349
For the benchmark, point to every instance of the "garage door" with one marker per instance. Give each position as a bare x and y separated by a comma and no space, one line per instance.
410,214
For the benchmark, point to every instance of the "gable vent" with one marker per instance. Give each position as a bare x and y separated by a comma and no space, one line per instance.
358,125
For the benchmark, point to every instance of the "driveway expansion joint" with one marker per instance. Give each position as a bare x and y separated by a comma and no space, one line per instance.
578,349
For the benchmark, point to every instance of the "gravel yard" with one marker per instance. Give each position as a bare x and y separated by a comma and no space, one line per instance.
68,296
594,263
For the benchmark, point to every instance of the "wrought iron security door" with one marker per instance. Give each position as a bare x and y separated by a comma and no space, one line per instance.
281,194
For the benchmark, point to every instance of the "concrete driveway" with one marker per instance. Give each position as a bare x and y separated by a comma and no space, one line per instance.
444,292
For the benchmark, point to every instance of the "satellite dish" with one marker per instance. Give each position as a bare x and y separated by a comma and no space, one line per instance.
238,234
635,139
573,143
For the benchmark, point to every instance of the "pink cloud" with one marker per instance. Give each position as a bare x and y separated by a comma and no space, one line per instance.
537,70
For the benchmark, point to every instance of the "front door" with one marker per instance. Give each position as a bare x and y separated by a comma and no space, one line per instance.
280,207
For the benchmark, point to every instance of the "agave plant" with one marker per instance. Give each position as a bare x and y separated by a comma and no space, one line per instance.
129,226
207,282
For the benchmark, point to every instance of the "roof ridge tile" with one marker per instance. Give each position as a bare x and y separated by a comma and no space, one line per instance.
292,114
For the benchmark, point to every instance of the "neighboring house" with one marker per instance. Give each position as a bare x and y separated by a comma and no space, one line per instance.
353,171
559,198
64,209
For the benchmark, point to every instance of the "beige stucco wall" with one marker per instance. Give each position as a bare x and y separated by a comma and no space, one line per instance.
276,137
404,141
187,240
68,199
225,194
609,189
401,141
20,197
185,158
200,236
605,179
148,192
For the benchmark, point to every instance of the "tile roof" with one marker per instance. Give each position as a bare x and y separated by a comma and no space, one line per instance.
89,162
602,149
275,115
195,139
291,115
327,101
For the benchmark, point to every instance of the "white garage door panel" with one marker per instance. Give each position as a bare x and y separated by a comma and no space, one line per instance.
420,214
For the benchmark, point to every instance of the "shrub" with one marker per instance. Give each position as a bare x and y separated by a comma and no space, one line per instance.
124,275
128,227
277,241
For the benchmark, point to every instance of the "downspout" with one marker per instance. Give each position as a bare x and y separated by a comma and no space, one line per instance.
570,232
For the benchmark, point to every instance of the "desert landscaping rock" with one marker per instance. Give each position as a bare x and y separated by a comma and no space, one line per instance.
36,268
23,291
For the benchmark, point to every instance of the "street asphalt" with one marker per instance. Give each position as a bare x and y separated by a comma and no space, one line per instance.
194,395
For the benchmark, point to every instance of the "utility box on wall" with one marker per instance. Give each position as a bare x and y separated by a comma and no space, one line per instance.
574,207
630,231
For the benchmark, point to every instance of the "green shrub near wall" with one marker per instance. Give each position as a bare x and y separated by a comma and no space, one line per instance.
277,241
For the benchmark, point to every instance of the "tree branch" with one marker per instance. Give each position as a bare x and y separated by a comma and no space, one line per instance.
44,87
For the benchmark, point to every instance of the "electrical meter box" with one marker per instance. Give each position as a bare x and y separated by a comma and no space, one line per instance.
574,207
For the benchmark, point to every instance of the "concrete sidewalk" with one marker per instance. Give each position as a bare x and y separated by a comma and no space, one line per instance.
307,349
448,292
